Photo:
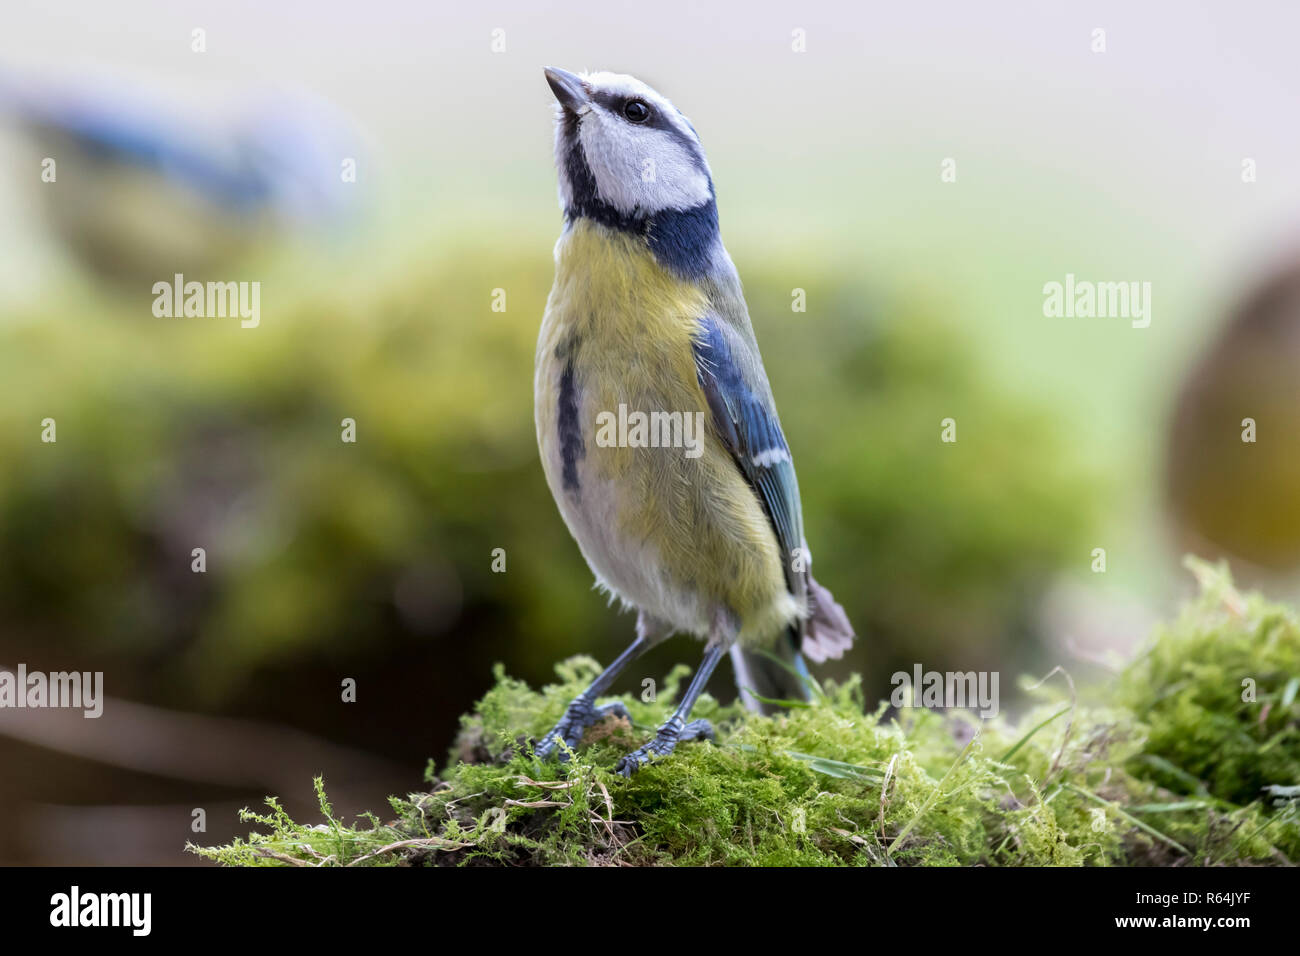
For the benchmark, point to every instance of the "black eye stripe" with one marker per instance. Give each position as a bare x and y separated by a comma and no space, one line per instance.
618,104
658,120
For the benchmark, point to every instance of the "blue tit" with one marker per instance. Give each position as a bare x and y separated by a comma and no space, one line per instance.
144,190
655,420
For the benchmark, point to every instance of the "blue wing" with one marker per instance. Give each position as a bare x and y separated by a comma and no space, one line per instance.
747,422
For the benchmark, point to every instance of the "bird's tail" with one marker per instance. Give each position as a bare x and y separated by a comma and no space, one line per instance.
827,633
780,673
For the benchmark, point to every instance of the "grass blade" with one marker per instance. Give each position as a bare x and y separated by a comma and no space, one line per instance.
1145,828
931,799
1025,739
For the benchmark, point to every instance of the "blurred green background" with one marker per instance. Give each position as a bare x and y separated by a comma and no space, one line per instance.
373,560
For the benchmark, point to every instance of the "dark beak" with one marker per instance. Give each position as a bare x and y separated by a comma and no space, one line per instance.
568,88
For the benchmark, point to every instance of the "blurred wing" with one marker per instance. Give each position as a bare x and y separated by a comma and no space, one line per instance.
116,127
747,423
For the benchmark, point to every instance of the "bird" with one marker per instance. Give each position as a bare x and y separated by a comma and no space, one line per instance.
144,188
700,533
1232,460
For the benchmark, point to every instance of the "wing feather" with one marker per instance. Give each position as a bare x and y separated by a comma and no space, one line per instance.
747,423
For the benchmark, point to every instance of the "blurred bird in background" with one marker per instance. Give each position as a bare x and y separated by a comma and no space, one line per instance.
138,190
647,315
1233,465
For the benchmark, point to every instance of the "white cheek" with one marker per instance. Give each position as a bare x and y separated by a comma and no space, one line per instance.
561,160
641,169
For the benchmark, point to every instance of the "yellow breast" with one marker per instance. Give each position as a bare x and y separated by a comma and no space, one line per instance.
676,535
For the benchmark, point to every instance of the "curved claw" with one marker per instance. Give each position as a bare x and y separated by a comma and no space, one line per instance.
580,715
665,742
698,730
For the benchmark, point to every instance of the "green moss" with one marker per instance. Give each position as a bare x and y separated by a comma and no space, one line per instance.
1166,765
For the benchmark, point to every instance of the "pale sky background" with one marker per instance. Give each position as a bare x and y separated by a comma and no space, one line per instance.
1182,93
1050,139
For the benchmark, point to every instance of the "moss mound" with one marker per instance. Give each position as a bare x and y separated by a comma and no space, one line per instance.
1190,757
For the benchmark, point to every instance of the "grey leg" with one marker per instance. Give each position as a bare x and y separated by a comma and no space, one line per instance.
676,728
583,712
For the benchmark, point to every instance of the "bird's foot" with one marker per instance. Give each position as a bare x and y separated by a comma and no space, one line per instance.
669,736
580,715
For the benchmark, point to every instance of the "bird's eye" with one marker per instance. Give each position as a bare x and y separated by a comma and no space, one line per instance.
636,111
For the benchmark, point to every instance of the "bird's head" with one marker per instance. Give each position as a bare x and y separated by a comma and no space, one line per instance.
623,151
